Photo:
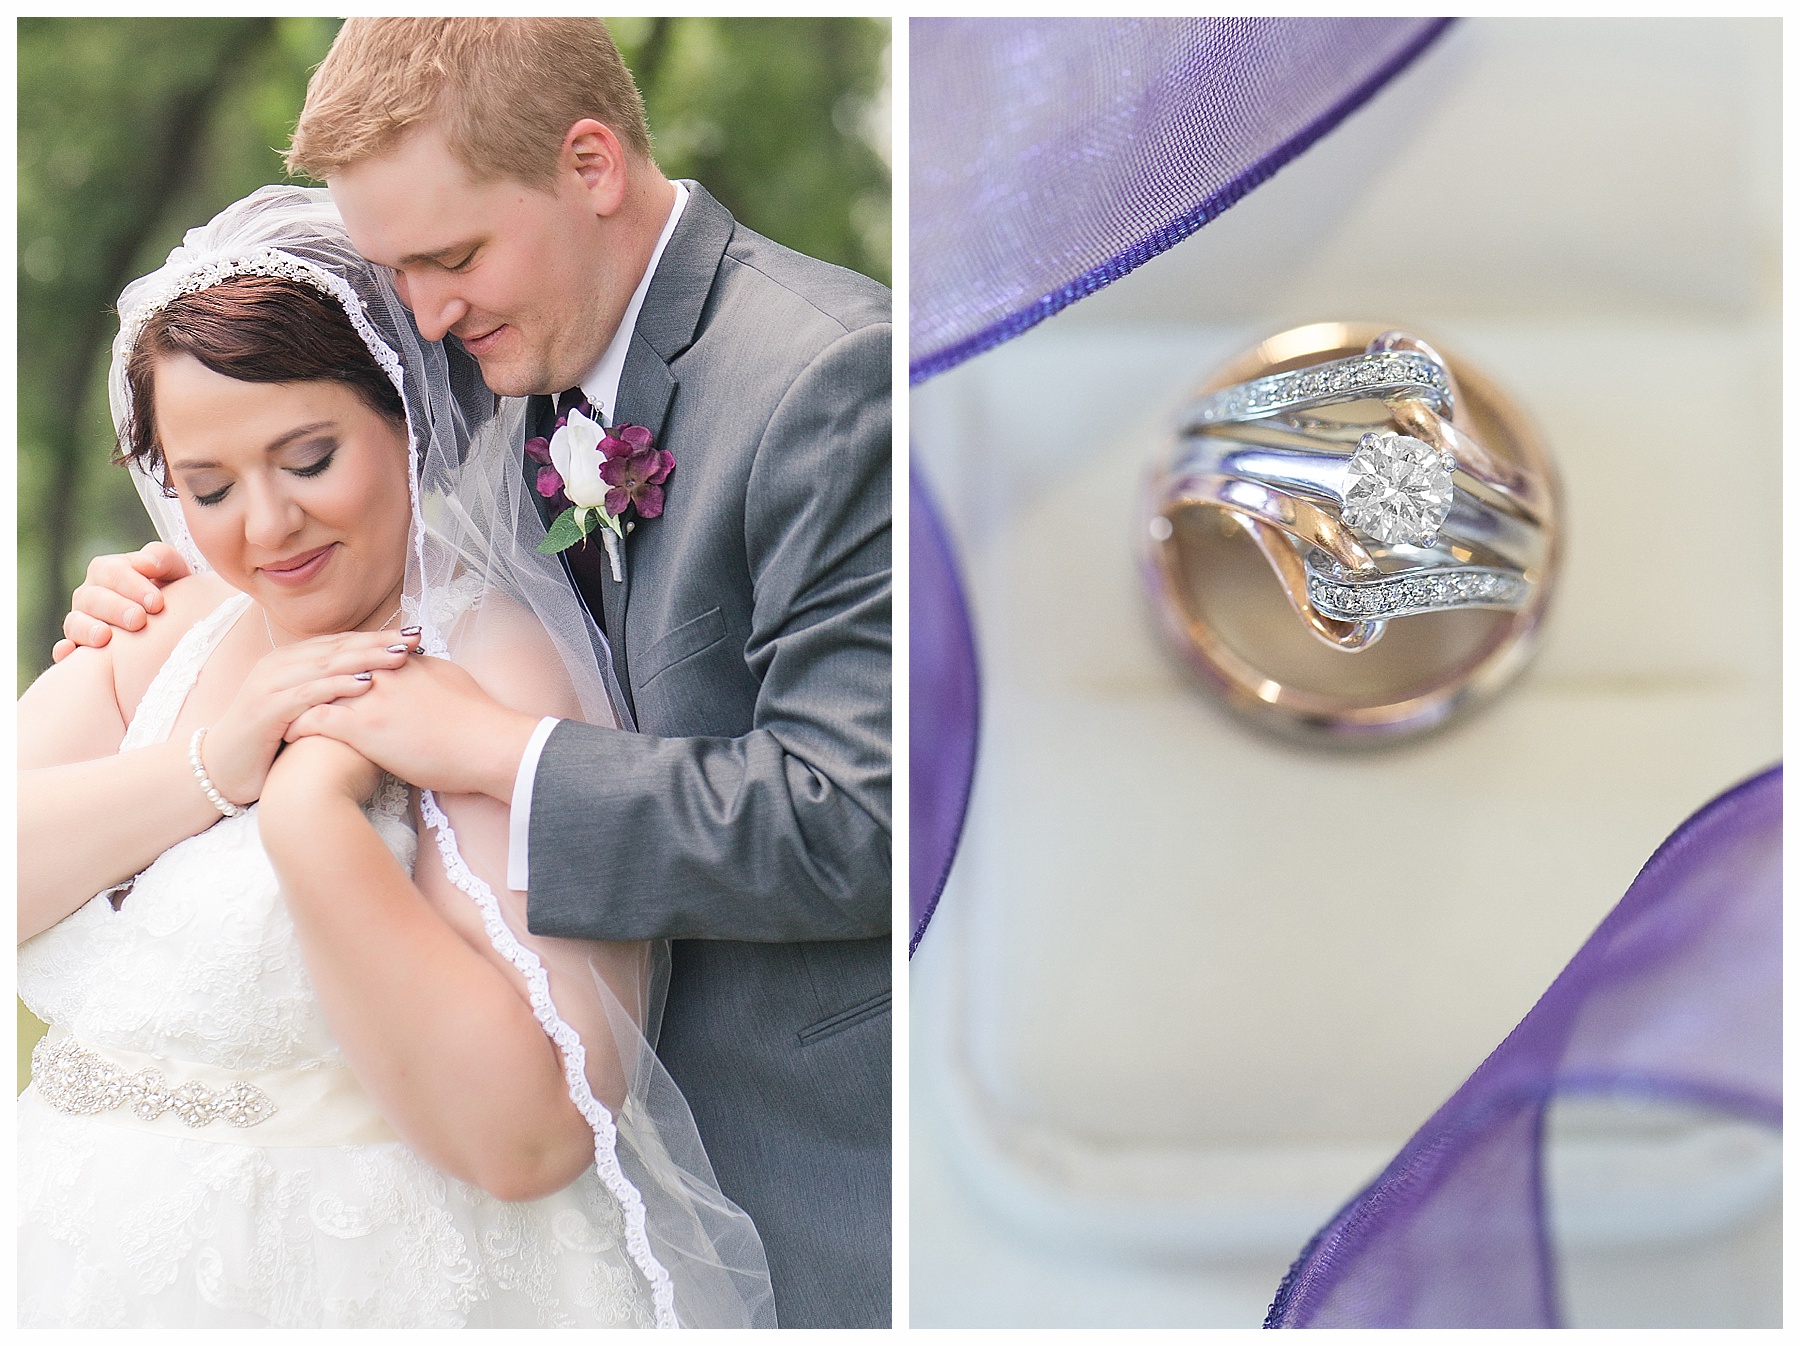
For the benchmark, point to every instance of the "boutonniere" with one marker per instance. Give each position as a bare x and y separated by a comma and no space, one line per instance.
596,473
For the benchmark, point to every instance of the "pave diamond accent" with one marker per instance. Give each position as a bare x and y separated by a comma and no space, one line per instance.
70,1078
1381,374
1429,589
1398,489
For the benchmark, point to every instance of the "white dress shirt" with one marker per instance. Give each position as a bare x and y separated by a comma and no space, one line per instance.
601,385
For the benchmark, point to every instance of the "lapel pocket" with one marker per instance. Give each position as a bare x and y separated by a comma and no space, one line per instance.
684,642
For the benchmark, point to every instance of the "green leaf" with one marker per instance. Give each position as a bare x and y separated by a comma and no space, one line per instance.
564,533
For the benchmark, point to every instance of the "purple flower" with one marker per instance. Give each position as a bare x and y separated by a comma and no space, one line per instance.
630,465
549,480
635,471
635,437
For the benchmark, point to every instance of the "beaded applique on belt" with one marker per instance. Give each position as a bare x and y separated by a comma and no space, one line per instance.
70,1078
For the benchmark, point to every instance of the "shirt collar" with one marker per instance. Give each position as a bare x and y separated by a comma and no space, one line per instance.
601,383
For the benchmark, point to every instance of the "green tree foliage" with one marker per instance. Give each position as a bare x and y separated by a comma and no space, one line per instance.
130,132
784,120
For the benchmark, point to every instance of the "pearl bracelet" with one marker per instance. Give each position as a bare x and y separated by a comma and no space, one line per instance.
220,802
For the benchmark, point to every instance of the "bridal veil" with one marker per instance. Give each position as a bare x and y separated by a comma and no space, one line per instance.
483,595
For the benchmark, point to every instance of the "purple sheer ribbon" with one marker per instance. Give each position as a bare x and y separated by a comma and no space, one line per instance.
1052,156
945,708
1676,996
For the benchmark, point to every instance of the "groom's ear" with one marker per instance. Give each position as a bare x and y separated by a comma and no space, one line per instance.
593,153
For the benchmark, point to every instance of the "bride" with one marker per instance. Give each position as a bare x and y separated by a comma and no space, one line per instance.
306,1066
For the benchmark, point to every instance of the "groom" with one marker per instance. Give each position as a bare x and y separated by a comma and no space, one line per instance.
502,169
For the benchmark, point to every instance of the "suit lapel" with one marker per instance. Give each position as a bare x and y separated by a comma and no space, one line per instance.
670,318
646,388
667,325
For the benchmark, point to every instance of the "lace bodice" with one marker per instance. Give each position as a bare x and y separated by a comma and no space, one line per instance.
200,961
200,964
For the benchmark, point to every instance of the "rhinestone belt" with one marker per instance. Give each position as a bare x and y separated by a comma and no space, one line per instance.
70,1078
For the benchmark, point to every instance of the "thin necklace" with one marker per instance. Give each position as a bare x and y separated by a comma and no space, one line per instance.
270,631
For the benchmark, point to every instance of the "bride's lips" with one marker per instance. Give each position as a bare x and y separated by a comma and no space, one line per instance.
301,569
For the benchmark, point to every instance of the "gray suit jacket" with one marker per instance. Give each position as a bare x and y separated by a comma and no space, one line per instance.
748,820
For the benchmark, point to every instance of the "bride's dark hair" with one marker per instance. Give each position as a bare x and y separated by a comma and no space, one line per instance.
256,329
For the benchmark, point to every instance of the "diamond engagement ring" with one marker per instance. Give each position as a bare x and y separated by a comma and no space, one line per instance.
1393,501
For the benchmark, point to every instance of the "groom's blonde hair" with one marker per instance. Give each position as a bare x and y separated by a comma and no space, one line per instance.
504,91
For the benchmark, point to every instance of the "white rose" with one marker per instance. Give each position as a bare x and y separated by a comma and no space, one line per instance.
575,452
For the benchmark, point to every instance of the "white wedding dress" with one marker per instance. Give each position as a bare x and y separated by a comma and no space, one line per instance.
314,1215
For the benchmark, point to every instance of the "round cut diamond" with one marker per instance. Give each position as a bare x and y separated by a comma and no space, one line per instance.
1399,489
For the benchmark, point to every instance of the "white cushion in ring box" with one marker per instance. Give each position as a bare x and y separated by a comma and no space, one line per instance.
1191,987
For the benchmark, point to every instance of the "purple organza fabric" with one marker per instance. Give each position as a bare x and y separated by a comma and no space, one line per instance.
1677,995
1052,156
944,704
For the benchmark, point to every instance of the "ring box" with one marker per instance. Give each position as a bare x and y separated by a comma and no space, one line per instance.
1190,987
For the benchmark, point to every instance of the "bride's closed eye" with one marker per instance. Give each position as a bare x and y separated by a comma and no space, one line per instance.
312,469
317,465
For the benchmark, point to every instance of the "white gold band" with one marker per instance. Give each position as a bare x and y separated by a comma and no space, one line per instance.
1380,373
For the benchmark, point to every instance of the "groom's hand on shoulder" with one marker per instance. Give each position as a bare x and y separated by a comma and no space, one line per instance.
121,591
431,724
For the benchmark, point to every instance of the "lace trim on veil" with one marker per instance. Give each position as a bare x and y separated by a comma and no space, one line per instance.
264,262
574,1056
440,614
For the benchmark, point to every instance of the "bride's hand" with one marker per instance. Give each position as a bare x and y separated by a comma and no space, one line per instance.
315,768
241,745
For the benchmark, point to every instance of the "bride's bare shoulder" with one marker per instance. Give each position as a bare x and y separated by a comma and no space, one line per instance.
137,655
78,709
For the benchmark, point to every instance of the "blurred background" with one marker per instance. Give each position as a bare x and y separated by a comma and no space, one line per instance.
134,130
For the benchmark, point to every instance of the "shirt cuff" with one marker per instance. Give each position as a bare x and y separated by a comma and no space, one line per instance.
518,844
